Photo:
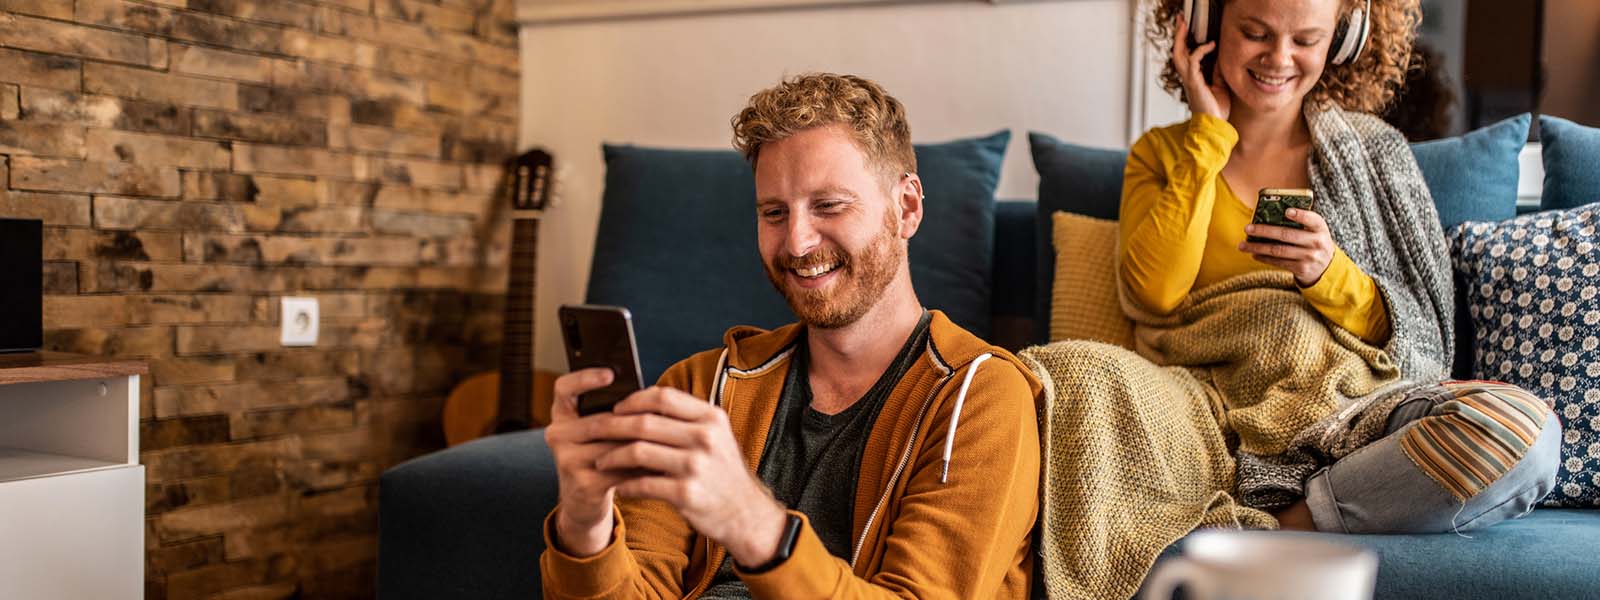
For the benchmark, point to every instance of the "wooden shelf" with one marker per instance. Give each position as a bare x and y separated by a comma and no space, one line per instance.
34,367
17,464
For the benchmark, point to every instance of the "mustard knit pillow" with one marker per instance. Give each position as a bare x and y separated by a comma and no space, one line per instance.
1083,300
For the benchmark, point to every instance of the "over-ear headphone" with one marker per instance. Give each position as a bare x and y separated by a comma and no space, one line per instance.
1349,36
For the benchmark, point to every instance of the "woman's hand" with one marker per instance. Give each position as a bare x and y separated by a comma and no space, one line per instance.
1303,252
1213,99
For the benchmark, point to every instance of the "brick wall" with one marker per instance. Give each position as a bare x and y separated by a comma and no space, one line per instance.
194,161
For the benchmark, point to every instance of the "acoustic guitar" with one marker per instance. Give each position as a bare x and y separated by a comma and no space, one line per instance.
516,397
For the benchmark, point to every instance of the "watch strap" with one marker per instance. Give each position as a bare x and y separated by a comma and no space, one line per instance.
791,535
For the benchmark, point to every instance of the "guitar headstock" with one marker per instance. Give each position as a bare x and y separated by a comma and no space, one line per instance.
531,174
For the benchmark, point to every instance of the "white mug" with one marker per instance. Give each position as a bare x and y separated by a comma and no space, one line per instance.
1262,565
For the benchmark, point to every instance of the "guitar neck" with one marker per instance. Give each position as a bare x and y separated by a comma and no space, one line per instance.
516,358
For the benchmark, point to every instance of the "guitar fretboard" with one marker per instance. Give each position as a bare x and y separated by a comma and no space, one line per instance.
516,358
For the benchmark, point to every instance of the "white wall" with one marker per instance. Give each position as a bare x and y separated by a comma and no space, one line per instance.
962,69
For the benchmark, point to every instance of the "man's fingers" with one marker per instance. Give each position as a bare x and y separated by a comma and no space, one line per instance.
564,405
668,402
656,487
578,382
647,456
646,426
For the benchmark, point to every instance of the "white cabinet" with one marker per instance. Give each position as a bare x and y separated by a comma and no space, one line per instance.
71,486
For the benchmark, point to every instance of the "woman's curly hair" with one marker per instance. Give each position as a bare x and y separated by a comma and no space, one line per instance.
1366,85
877,122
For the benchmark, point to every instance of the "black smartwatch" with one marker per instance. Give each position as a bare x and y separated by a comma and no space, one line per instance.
791,535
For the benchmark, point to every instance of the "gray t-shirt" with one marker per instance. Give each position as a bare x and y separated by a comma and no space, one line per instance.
812,460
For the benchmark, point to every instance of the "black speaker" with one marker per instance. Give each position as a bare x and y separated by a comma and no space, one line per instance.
21,275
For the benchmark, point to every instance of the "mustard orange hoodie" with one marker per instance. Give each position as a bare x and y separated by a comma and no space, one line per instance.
924,528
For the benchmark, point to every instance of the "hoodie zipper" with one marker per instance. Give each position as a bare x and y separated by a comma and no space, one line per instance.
905,457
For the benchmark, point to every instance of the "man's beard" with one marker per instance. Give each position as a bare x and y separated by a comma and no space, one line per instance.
863,277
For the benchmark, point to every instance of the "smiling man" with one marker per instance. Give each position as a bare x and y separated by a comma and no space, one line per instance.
874,449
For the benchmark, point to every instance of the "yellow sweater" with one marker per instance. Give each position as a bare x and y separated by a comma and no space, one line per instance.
921,532
1181,227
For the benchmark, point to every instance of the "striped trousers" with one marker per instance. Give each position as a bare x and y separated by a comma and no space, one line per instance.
1456,456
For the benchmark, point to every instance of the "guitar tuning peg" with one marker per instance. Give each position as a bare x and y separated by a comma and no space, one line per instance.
557,193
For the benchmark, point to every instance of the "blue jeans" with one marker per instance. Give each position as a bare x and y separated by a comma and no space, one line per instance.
1383,488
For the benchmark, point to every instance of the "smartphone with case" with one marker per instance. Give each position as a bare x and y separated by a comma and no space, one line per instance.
601,336
1272,205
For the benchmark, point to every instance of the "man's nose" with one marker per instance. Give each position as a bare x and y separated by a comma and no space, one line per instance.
802,235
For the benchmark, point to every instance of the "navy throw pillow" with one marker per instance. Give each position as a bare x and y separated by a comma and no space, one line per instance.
1533,294
677,244
1077,179
1571,163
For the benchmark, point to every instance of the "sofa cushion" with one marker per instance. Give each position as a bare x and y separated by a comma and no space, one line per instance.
1075,179
1571,163
1474,176
467,522
677,243
1085,304
1471,177
1532,296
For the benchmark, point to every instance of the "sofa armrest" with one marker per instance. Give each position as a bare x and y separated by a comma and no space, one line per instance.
466,522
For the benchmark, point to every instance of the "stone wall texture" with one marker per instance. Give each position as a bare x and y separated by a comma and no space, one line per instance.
196,160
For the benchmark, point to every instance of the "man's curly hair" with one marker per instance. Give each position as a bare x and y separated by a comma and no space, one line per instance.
1366,85
877,122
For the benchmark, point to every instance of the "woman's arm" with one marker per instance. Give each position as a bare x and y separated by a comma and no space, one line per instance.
1168,190
1349,298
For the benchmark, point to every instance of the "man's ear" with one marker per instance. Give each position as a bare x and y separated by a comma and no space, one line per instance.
910,200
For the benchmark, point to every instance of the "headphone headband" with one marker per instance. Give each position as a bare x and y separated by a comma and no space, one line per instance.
1349,38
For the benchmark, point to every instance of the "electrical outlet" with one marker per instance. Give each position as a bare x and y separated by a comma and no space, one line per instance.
299,318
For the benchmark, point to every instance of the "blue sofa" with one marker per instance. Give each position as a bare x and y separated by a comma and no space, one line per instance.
465,522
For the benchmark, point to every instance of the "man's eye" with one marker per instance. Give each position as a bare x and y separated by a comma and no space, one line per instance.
772,213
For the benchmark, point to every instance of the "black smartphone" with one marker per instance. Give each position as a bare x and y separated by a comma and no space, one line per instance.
1272,204
601,336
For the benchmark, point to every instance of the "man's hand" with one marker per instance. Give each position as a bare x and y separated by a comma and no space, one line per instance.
680,450
583,519
1304,252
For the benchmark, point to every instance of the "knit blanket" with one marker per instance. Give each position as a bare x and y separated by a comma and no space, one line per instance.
1231,400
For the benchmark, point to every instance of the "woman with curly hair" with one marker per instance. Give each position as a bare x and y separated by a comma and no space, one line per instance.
1282,376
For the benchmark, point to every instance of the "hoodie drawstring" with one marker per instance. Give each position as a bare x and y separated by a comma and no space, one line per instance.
955,417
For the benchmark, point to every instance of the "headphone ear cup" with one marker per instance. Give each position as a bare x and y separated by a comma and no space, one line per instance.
1350,37
1336,45
1204,18
1365,31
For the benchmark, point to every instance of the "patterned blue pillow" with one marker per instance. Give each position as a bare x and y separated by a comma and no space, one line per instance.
1533,292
